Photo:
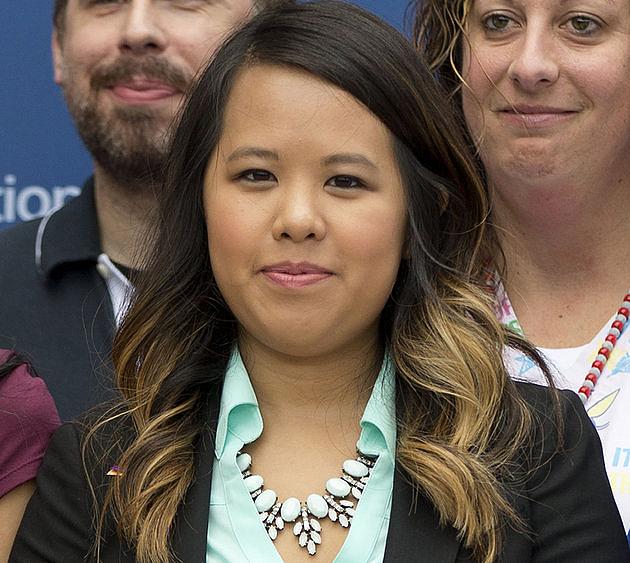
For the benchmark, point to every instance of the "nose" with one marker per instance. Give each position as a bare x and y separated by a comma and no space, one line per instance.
298,217
535,64
140,31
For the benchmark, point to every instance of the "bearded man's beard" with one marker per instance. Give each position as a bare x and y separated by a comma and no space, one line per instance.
129,143
129,146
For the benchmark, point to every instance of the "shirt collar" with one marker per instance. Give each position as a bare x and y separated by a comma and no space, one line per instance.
119,287
240,414
378,423
69,233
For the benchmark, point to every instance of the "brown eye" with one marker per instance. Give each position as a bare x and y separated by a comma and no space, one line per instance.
257,176
346,182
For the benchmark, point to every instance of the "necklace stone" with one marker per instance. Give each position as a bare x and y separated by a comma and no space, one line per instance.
334,505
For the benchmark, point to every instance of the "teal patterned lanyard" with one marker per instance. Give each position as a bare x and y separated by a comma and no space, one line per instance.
502,305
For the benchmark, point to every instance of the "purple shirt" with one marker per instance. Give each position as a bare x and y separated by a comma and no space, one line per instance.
28,418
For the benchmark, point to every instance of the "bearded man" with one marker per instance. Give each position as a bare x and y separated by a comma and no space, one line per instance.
124,67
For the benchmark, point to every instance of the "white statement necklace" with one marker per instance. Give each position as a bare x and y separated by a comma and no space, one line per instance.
334,505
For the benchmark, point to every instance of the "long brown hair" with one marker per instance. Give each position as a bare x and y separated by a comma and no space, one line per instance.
461,421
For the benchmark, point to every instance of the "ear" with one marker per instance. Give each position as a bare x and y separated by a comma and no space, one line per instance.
57,57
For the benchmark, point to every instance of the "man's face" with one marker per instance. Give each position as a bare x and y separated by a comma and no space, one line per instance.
124,66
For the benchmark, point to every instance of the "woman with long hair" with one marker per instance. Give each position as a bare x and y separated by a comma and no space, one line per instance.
310,366
544,90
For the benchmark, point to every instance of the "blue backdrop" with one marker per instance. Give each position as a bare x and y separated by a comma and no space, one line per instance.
42,160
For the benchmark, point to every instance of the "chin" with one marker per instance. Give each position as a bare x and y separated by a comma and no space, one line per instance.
533,162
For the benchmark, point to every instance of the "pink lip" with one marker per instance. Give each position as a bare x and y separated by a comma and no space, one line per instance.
534,116
291,275
142,90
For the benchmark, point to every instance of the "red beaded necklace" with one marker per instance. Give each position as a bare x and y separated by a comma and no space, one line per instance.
493,281
614,332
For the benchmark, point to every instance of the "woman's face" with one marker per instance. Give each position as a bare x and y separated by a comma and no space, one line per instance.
305,213
549,85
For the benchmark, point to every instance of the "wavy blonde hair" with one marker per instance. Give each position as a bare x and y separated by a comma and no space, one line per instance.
461,421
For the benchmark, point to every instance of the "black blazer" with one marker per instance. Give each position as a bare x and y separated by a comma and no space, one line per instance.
566,502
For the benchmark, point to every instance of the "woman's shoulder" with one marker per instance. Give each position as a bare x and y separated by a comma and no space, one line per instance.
28,418
562,439
539,395
26,398
565,488
559,420
103,432
549,403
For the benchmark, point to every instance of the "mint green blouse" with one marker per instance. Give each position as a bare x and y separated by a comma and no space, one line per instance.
235,533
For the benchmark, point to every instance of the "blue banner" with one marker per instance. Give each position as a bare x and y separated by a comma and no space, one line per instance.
42,160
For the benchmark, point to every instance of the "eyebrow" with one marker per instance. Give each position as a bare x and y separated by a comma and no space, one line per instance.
562,2
258,152
268,154
348,158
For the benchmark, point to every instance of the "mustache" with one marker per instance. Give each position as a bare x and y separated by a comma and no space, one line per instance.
150,67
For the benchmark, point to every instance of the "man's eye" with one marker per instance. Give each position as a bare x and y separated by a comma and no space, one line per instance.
345,182
583,25
257,176
105,5
497,22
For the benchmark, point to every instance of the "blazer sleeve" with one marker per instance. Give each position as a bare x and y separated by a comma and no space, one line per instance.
57,522
573,512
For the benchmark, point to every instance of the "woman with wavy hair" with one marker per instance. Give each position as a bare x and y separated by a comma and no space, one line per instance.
544,90
310,366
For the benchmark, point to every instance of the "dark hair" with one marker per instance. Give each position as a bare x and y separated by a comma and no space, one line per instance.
460,420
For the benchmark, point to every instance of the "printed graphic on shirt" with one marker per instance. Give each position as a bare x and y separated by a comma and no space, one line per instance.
524,363
600,409
623,366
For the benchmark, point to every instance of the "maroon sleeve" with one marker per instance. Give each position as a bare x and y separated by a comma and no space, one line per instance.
28,418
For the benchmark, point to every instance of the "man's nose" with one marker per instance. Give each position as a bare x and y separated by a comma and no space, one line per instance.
142,32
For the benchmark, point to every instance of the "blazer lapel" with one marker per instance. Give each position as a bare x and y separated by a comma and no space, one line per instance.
414,531
191,527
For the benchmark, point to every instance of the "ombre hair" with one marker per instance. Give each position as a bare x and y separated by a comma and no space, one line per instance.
461,420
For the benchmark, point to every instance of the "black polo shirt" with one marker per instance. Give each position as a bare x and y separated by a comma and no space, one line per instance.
54,306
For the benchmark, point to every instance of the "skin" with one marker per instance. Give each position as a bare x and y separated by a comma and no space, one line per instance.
549,104
12,506
101,36
299,197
